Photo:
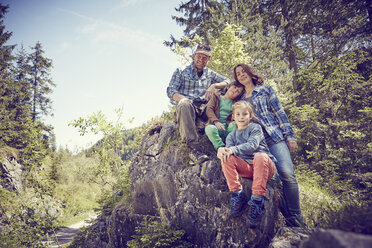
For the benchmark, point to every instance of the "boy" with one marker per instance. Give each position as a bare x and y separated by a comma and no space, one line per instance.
219,115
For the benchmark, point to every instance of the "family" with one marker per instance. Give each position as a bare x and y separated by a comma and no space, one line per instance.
248,128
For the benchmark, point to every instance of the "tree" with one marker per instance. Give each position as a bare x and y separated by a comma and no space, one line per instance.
196,18
41,82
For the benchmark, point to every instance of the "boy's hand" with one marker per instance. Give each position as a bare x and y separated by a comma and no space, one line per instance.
210,91
219,125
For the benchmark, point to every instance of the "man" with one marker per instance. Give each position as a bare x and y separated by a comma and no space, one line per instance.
189,89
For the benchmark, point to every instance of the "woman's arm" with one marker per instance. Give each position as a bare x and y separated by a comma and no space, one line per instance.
281,116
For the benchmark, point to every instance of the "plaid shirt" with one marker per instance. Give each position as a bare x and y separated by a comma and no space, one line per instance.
186,82
270,113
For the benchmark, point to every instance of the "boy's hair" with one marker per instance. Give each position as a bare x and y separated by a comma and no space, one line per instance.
227,87
245,105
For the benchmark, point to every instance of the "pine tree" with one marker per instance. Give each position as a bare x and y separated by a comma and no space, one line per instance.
42,84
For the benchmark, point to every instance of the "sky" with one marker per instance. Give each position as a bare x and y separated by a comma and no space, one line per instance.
106,54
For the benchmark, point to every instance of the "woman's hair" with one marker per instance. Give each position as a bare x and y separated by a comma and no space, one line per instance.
245,105
256,79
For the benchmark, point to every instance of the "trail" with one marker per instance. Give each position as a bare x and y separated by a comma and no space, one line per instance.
65,235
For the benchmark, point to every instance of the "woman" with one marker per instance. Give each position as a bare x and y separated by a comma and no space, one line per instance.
278,134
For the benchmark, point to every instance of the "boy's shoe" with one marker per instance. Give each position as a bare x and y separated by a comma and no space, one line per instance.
197,157
239,203
255,211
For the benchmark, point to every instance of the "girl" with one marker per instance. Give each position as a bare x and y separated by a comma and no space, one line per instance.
218,111
279,136
246,154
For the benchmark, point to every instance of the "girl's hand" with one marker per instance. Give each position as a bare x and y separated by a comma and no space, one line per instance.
224,153
220,152
227,154
292,145
219,125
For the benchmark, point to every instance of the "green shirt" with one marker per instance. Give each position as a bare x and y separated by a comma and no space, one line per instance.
225,109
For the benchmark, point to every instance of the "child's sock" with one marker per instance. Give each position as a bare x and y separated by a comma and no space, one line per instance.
257,198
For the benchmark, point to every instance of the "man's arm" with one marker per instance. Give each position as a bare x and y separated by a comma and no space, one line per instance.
174,85
212,89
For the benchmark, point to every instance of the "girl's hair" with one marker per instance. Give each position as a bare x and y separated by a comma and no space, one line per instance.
256,79
245,105
227,87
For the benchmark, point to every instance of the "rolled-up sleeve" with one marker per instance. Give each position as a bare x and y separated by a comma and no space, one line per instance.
217,78
174,84
281,116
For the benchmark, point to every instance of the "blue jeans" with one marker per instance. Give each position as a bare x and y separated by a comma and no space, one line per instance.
284,166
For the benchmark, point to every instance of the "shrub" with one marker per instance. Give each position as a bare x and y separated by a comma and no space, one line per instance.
152,233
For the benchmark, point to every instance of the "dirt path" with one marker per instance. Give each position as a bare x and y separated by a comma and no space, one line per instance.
65,235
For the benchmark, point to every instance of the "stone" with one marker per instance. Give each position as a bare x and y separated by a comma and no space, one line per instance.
194,198
11,173
337,239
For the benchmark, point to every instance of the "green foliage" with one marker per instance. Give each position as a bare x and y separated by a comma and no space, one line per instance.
73,186
333,119
24,88
111,155
322,209
152,233
27,216
108,152
79,240
228,51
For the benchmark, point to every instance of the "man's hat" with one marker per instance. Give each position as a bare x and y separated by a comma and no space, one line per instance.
204,49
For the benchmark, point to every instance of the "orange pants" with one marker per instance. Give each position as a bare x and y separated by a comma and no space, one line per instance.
261,171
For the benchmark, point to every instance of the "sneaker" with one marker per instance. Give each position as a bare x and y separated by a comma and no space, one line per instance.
255,211
239,203
197,157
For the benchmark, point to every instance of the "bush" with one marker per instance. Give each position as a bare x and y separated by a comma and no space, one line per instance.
152,233
323,209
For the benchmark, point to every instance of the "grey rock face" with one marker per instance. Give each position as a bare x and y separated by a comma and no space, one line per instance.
337,239
194,198
289,237
11,172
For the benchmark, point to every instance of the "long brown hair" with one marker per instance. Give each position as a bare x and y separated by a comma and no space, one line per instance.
256,79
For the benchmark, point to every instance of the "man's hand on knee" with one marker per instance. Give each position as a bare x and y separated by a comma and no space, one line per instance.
184,100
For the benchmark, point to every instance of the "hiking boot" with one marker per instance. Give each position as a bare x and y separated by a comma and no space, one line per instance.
295,221
255,211
239,203
197,157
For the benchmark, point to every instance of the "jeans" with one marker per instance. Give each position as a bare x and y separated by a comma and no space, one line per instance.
285,170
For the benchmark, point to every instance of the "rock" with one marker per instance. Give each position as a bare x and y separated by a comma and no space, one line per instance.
337,239
10,172
194,198
289,237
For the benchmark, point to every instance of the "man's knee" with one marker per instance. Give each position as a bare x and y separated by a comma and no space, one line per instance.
184,105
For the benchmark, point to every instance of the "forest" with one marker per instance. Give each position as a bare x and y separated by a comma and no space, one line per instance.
316,54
